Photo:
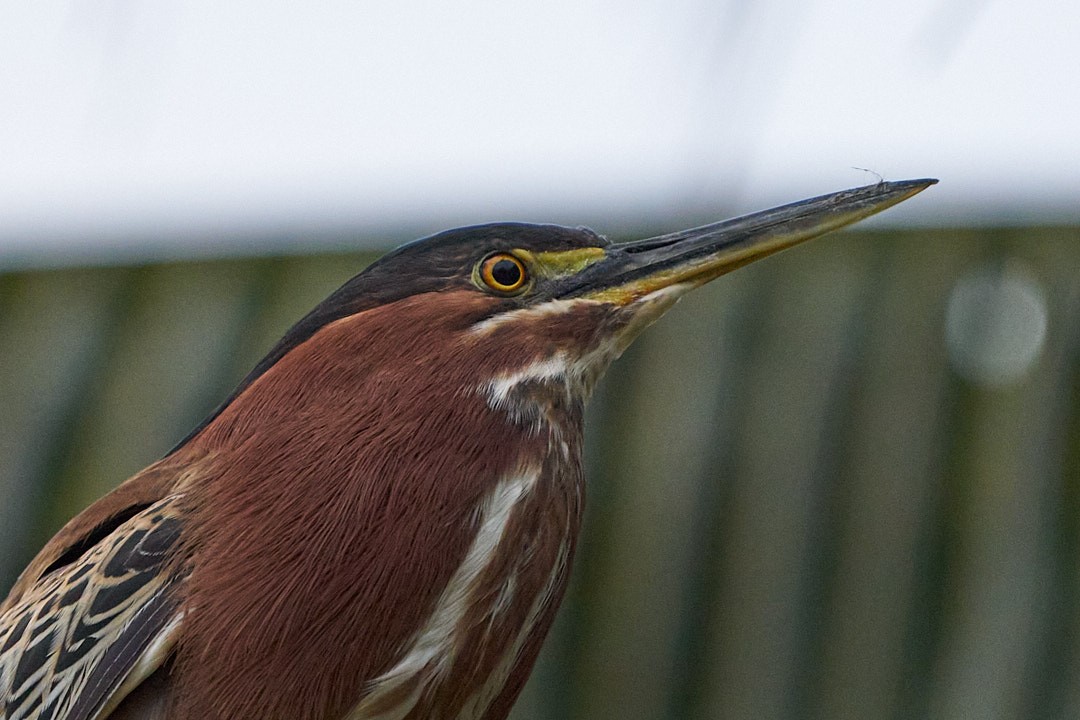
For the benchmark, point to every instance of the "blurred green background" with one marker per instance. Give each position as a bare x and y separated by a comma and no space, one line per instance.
839,483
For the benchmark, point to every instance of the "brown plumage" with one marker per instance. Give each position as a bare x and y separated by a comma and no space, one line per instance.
290,608
380,521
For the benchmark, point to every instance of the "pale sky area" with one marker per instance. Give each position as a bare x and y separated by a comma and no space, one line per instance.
181,127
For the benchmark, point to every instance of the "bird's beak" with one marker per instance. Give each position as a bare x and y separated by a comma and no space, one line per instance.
680,261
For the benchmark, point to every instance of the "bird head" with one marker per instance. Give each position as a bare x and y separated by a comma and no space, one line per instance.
520,304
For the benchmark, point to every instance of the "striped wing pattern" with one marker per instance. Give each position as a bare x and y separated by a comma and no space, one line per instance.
70,643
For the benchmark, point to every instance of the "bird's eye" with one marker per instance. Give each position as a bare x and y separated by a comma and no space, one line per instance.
503,273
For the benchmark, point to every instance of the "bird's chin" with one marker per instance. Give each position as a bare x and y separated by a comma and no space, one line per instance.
643,311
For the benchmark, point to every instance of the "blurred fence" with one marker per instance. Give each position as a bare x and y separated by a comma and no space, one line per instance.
841,483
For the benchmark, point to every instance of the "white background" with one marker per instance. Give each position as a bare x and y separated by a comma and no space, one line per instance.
179,127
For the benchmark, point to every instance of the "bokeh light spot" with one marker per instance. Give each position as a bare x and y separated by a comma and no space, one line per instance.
995,324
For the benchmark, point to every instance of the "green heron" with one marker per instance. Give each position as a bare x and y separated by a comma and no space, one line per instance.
379,521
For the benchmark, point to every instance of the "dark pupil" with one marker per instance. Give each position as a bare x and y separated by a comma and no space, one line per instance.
505,272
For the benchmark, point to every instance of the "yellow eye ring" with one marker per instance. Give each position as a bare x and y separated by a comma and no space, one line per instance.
503,273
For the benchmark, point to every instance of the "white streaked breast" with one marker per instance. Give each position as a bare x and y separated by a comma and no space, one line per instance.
431,653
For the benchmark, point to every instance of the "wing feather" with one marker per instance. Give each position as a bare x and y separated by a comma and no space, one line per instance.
83,636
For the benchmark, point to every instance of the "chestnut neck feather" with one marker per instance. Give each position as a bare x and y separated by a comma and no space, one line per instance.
341,498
